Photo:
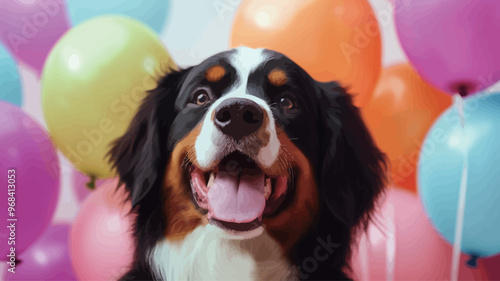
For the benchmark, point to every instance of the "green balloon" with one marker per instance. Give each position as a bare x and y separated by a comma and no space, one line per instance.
93,82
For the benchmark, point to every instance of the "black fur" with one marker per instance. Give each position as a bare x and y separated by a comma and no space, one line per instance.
328,129
351,176
140,158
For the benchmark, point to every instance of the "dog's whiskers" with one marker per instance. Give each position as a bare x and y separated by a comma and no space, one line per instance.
189,155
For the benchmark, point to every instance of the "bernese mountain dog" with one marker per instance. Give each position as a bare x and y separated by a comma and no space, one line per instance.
245,168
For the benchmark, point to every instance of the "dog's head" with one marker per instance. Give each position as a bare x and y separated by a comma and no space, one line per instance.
248,141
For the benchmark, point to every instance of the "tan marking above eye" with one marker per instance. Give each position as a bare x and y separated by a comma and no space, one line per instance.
277,77
215,73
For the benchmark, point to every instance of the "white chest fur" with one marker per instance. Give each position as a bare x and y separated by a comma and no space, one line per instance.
209,253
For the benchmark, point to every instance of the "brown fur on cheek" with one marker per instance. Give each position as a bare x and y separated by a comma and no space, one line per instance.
180,212
292,222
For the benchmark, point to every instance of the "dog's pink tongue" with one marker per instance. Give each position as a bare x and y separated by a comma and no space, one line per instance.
237,198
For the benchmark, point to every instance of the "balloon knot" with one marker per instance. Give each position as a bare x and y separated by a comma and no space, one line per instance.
91,183
463,90
472,261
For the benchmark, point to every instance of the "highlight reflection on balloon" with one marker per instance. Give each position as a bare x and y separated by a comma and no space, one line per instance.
346,47
102,246
93,82
399,114
441,168
401,242
47,259
31,28
452,44
31,169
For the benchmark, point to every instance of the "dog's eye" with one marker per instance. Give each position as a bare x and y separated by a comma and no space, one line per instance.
201,97
287,103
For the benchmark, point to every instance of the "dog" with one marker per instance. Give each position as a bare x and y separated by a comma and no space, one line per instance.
245,168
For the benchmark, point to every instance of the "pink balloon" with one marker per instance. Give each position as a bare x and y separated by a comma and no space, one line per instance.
419,253
101,242
452,43
82,191
27,152
29,28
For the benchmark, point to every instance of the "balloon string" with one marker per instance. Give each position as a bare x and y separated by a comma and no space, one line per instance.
462,194
391,242
363,253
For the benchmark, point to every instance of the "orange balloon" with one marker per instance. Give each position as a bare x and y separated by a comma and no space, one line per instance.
402,109
332,40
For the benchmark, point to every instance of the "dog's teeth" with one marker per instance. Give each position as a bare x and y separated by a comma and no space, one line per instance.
267,188
211,180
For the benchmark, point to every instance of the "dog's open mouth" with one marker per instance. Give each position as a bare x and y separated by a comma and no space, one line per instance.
237,193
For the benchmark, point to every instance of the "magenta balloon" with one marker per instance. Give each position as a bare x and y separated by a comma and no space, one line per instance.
452,43
419,252
47,259
27,149
101,241
29,28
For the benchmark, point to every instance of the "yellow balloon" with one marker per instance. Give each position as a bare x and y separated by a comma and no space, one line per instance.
93,82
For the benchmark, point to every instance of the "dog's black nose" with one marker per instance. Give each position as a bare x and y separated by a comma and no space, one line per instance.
237,117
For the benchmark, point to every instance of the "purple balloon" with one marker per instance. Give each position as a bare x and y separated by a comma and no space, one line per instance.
29,158
47,259
29,28
80,185
453,44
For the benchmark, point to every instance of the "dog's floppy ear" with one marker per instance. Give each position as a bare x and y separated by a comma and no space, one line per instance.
350,176
140,156
353,169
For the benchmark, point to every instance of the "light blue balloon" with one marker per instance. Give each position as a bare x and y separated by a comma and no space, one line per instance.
440,173
152,12
10,84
